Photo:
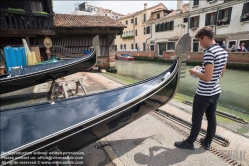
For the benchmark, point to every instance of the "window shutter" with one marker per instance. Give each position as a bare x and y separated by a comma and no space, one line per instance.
245,8
191,22
207,22
148,30
168,25
197,24
159,27
215,17
229,14
173,43
173,25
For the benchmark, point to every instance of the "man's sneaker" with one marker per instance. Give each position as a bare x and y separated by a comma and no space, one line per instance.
184,145
205,144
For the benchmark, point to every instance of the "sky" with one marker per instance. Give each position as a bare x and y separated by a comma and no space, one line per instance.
123,7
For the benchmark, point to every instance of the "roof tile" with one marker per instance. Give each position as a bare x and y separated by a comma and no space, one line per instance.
68,20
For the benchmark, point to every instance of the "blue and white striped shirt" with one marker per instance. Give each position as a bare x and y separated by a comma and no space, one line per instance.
218,57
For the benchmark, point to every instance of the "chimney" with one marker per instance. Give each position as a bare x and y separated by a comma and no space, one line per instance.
179,5
145,6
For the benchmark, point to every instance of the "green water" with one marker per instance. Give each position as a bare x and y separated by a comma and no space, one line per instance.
234,85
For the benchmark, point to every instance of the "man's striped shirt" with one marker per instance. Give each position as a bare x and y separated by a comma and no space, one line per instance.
218,57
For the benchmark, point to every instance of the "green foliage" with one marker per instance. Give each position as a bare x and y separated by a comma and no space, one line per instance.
16,11
127,37
40,13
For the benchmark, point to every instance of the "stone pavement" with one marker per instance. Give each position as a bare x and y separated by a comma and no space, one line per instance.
147,141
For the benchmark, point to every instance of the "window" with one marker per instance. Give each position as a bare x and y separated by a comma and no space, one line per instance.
136,21
210,19
36,6
144,18
136,32
148,29
115,47
152,47
158,15
121,47
245,12
194,22
124,46
135,45
105,14
171,45
231,43
126,22
224,16
185,20
144,30
132,20
196,3
144,49
132,46
195,45
116,17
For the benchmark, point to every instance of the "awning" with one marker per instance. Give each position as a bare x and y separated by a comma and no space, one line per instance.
175,38
162,40
220,37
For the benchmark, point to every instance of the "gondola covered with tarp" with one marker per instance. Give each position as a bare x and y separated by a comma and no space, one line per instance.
73,123
26,76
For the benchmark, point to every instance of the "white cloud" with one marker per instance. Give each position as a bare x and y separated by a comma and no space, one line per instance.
123,7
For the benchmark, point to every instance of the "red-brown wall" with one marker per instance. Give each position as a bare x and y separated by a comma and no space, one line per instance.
138,53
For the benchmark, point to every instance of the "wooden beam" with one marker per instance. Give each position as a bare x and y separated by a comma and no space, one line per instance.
25,33
79,31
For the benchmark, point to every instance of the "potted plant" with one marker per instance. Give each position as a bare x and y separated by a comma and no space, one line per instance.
36,13
16,11
245,16
221,22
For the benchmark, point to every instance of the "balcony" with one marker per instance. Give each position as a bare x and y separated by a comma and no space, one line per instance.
18,19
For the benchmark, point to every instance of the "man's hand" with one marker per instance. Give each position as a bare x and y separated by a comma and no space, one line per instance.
207,75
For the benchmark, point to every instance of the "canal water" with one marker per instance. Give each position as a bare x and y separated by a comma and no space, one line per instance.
234,85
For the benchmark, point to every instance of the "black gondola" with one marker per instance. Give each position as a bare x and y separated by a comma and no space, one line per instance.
73,123
36,74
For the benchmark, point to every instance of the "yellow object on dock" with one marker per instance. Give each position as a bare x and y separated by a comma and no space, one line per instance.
31,58
37,53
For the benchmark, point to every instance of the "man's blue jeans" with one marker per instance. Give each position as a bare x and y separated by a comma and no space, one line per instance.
208,105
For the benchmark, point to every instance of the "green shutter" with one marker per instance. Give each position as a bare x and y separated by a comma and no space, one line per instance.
207,21
197,24
168,25
229,14
191,22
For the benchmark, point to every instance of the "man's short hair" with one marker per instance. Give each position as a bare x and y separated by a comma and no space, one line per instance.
205,31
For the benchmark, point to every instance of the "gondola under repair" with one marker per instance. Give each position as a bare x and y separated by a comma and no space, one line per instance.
27,76
73,123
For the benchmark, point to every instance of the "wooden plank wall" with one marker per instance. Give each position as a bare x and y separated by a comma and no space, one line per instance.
76,44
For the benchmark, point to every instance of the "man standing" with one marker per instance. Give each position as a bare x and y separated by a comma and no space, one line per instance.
207,94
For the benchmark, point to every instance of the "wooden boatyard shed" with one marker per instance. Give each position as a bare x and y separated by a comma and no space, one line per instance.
74,34
28,19
25,19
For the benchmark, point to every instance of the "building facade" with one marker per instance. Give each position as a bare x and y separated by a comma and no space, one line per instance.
85,9
134,37
229,20
166,30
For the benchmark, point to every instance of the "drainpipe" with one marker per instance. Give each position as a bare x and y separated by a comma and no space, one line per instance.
218,10
134,32
188,21
150,33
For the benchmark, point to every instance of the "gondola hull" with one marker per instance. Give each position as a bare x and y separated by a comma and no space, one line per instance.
37,74
73,123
